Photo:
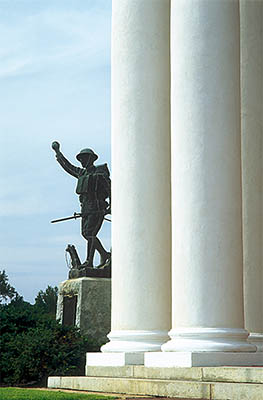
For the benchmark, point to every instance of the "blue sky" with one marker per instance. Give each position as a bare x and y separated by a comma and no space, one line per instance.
55,85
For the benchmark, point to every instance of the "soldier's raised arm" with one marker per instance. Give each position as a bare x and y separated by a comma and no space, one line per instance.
65,164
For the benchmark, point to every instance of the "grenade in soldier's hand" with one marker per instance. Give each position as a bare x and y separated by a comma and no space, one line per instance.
55,146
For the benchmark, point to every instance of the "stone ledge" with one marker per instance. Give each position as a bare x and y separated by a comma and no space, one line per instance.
202,374
167,388
110,372
113,359
202,359
139,371
233,374
154,387
236,391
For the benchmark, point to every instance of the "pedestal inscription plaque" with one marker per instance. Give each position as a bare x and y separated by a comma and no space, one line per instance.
69,310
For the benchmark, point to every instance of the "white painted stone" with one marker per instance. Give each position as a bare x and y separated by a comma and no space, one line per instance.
139,341
251,16
201,359
257,340
209,339
206,178
141,216
114,359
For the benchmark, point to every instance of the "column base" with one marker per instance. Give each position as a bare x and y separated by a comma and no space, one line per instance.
257,340
114,359
134,341
202,359
208,340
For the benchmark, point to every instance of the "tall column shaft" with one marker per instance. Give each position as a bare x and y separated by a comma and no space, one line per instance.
252,162
206,178
140,175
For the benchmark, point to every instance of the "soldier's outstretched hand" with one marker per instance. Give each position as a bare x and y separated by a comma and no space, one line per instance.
55,146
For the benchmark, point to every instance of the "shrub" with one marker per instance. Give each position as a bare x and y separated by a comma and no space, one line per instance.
34,345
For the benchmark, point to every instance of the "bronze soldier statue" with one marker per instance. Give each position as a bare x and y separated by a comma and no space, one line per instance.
94,190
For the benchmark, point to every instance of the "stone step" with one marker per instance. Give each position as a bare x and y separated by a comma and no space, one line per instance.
189,389
139,371
202,374
134,386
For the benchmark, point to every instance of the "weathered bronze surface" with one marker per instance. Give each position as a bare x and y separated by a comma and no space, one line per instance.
94,190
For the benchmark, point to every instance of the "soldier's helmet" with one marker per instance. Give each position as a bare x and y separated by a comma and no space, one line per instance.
86,152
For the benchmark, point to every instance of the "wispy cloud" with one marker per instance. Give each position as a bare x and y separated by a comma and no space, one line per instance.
52,37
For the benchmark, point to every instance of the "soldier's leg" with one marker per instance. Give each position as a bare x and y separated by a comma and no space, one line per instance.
90,251
87,234
104,255
91,225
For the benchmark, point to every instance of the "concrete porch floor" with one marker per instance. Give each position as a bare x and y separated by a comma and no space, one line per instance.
206,383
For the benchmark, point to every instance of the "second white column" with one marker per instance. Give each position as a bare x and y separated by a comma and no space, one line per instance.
206,186
252,164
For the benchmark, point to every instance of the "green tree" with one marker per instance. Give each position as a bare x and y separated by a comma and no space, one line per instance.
46,301
7,292
34,345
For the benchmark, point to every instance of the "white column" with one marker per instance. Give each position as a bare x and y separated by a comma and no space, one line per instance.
140,176
252,163
206,184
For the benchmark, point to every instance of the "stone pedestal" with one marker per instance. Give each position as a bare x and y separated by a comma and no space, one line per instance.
86,303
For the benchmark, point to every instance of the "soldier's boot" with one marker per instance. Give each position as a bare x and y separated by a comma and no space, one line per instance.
104,258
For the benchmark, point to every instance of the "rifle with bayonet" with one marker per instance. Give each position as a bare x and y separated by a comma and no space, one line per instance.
74,216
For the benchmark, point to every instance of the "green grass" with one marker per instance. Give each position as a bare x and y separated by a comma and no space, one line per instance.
34,394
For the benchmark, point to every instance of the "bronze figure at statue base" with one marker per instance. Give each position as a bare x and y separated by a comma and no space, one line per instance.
78,270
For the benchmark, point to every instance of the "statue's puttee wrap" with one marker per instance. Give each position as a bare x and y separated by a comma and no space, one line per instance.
94,190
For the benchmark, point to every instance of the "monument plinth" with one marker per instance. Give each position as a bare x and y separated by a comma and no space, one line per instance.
86,303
